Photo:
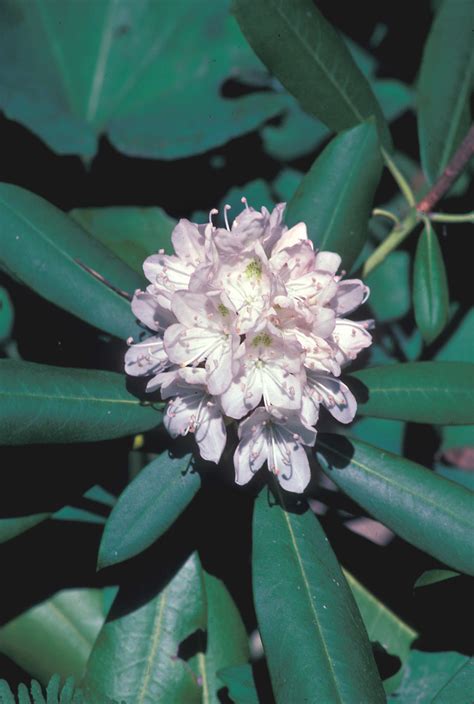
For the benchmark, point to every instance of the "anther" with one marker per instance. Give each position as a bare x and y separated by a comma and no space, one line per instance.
212,212
244,201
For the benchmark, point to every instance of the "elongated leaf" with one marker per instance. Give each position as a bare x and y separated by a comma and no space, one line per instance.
434,577
311,60
11,527
423,392
381,623
239,681
131,233
43,247
322,634
428,511
56,636
135,657
135,70
147,508
430,286
6,316
335,197
389,287
42,404
227,642
428,675
444,86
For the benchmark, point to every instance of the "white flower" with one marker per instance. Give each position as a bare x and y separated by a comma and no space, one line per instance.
249,324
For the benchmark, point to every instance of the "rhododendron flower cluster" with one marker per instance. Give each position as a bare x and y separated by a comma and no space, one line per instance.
250,325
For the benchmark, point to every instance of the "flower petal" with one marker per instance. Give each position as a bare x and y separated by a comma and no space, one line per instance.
350,338
335,395
147,357
147,309
210,432
327,261
251,452
350,295
219,364
189,242
186,346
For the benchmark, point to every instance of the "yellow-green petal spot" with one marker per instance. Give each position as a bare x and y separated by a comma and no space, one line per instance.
253,270
223,310
262,338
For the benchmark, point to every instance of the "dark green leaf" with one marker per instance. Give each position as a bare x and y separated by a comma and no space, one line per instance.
389,287
42,404
56,636
147,508
320,641
131,233
43,247
444,86
383,626
460,476
387,434
430,286
240,683
135,656
311,60
434,577
423,392
459,346
428,675
394,97
6,316
11,527
428,511
227,641
136,71
335,197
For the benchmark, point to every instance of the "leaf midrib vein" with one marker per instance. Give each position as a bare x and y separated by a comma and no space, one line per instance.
313,610
154,647
51,397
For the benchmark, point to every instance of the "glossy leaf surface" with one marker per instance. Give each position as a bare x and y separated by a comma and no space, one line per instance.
135,70
444,85
131,233
423,392
335,197
135,655
428,511
56,636
311,60
430,286
43,247
148,507
42,404
434,577
227,641
322,634
389,288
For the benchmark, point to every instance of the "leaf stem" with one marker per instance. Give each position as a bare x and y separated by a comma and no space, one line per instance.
448,217
399,178
386,214
396,237
460,159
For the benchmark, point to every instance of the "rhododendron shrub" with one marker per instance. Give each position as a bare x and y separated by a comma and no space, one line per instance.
236,372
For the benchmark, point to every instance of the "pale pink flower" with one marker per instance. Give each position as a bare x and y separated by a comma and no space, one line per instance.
250,324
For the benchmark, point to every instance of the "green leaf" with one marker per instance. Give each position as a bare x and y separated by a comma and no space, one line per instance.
444,86
227,641
459,346
321,638
6,316
311,60
383,433
382,626
460,476
68,694
296,135
6,693
430,286
131,233
335,197
135,71
428,511
147,508
240,683
56,636
394,97
41,403
11,527
434,577
136,658
42,246
428,677
423,392
389,287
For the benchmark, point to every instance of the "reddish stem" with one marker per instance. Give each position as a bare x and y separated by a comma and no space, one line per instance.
449,175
